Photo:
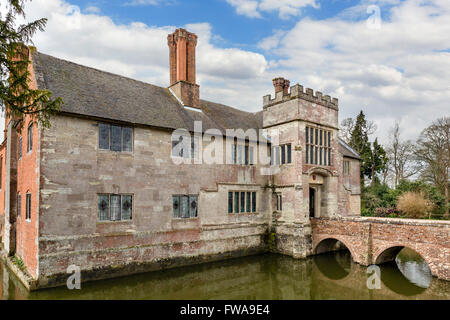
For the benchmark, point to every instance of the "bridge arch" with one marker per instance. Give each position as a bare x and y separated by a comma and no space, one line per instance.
328,243
389,253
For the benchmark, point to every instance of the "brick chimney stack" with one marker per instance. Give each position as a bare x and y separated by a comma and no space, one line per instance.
281,85
182,46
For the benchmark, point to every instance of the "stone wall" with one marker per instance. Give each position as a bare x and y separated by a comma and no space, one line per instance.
74,172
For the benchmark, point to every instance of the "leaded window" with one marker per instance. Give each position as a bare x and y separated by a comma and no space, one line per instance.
115,138
28,206
115,207
30,138
185,206
318,146
253,201
242,153
279,204
20,147
241,201
193,206
281,154
346,168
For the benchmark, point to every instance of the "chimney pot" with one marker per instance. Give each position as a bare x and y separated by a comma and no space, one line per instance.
182,46
281,85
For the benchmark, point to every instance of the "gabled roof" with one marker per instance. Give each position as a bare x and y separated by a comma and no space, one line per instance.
90,92
93,93
347,151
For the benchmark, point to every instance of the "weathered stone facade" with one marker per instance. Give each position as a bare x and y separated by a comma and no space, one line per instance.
66,171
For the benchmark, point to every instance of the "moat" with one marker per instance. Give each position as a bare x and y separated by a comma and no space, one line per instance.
269,276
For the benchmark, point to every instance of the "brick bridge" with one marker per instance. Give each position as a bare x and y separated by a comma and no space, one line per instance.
378,240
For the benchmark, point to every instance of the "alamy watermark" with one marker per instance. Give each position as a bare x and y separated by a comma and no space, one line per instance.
234,146
74,280
374,20
374,280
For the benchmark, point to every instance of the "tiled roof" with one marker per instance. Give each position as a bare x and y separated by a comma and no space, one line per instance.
347,151
94,93
90,92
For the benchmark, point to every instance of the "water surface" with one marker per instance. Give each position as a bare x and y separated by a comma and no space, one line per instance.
269,276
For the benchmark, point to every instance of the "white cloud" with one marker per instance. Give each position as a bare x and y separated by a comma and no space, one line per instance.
248,8
401,71
285,8
140,51
92,9
149,2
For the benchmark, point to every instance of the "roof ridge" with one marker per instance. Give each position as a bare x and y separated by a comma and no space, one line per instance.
234,108
99,70
135,80
345,145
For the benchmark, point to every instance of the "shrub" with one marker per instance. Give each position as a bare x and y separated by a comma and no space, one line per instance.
386,212
415,205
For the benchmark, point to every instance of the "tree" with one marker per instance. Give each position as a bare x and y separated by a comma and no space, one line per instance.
347,126
359,141
378,160
401,156
433,152
16,96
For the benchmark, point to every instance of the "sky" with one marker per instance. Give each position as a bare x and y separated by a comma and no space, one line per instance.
389,58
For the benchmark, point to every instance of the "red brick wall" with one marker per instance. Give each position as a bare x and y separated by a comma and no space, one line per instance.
2,189
28,182
369,238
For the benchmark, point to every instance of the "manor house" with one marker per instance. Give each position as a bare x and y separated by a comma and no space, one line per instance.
100,189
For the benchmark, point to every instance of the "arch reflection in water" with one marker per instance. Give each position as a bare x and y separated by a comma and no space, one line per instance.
408,274
258,277
334,266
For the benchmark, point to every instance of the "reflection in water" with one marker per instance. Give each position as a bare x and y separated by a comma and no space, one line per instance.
408,275
414,268
334,266
328,276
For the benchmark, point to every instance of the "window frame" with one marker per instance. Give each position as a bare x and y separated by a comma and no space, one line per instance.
30,138
281,154
189,215
28,207
122,140
346,168
318,146
242,152
110,217
279,202
20,147
242,201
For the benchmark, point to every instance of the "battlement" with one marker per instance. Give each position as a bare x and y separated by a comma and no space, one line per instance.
297,91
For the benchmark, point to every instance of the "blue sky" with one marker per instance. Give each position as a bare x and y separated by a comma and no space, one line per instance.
231,29
395,67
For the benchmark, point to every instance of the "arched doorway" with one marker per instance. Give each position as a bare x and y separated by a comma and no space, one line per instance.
319,193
